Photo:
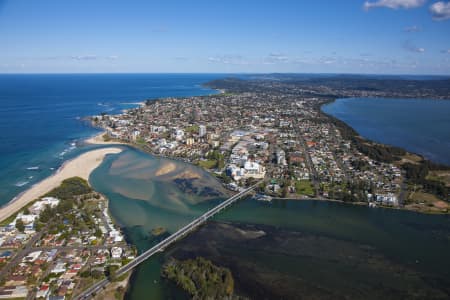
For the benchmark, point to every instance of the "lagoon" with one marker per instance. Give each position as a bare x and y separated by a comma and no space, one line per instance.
421,126
145,192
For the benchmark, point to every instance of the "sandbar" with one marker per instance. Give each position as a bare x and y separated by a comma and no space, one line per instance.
167,168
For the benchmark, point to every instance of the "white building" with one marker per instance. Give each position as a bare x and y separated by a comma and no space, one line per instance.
281,157
26,219
177,134
116,235
250,169
389,199
253,169
59,268
40,205
32,256
201,130
116,252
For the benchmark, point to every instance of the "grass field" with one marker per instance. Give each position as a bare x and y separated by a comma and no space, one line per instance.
208,164
426,202
304,187
443,176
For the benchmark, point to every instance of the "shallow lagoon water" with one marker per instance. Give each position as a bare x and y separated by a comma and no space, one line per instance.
140,200
146,192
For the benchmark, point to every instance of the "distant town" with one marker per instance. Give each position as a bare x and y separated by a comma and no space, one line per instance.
278,134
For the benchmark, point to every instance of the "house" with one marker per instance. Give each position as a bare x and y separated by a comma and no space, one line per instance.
116,235
13,292
296,158
15,280
59,268
43,291
32,256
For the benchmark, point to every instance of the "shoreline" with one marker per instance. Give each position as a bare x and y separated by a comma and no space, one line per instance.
341,125
98,140
358,135
402,208
81,166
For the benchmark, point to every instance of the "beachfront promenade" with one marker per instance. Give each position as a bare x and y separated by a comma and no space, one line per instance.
167,242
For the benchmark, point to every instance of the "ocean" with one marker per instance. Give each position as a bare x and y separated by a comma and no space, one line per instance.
41,116
421,126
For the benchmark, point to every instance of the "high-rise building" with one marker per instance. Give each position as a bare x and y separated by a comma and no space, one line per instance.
201,130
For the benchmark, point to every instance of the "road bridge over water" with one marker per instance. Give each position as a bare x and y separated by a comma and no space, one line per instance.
166,242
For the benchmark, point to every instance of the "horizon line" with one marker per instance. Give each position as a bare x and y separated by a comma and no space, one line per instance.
224,73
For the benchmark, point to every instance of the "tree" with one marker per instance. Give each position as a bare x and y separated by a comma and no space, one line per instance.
110,271
98,233
19,225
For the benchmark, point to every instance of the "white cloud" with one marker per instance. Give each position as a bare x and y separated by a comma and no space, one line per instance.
440,11
274,58
84,57
394,4
409,46
413,28
228,60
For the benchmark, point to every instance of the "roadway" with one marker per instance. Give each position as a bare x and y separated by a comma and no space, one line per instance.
166,242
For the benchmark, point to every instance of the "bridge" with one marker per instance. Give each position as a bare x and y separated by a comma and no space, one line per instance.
166,242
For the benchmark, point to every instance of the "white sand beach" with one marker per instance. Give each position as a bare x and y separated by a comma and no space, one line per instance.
81,166
98,140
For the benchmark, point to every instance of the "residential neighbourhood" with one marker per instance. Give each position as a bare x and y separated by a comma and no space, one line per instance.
245,136
53,260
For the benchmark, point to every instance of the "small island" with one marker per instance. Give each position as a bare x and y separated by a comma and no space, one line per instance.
201,279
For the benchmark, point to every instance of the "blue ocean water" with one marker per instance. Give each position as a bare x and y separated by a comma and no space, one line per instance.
418,125
41,116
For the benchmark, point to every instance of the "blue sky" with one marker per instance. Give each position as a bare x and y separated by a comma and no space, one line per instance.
335,36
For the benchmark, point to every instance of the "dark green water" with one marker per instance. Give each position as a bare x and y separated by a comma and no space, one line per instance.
141,200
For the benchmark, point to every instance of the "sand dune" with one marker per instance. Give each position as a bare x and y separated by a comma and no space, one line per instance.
81,166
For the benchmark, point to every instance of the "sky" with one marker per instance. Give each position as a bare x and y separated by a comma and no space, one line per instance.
229,36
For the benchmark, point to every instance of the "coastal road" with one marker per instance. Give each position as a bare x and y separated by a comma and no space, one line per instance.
167,242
